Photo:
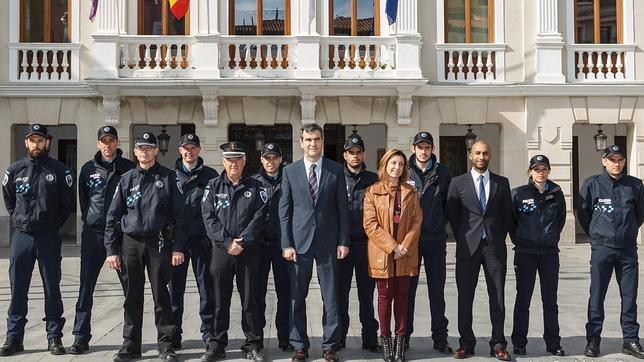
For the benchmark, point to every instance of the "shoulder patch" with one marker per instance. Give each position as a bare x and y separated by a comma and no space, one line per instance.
69,179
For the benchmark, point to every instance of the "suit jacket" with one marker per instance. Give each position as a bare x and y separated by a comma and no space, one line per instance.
468,221
322,226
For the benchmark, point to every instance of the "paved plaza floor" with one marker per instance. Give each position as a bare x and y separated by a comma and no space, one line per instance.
108,317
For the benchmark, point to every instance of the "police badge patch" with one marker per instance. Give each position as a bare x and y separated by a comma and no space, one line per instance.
69,179
49,178
5,179
205,195
248,194
159,184
263,194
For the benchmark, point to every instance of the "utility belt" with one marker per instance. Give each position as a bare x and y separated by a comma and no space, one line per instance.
160,236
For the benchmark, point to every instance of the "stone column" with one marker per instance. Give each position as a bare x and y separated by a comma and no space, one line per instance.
111,16
106,52
549,44
408,40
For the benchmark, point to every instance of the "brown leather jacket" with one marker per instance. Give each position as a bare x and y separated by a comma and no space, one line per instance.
378,224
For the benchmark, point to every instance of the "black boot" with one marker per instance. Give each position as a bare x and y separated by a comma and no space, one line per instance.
400,349
387,349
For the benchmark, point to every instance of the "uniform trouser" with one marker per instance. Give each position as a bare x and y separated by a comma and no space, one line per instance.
271,254
92,258
434,254
141,253
26,248
244,269
526,267
467,276
300,274
201,269
358,260
603,260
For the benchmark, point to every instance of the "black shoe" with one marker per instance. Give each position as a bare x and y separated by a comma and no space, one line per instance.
634,349
213,354
443,347
78,347
255,355
126,354
55,346
520,350
556,350
286,346
168,354
592,349
372,347
10,347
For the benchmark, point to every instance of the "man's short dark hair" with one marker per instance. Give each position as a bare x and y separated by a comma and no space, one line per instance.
311,127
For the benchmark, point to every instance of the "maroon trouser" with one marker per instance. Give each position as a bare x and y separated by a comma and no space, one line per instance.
393,289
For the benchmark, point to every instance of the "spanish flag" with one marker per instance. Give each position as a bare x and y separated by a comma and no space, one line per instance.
179,8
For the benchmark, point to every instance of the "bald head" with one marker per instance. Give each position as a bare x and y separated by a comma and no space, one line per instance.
480,156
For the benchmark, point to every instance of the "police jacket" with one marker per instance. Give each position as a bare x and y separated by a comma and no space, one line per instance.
96,184
270,192
431,187
192,185
611,211
357,183
539,218
145,203
231,212
39,193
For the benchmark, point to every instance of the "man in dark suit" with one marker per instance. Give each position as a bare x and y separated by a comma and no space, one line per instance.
479,209
314,220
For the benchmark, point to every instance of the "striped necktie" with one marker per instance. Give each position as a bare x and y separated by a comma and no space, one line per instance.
313,183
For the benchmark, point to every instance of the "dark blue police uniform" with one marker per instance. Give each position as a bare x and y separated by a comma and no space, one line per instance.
193,183
231,212
611,212
431,185
539,220
39,195
97,182
357,258
271,253
147,204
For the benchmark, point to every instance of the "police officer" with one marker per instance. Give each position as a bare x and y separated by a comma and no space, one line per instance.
39,195
97,183
358,179
540,214
611,210
146,204
431,180
233,213
270,175
193,177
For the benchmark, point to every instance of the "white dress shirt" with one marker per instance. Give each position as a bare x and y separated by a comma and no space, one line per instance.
477,182
318,169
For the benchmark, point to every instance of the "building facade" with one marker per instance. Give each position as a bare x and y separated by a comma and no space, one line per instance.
529,76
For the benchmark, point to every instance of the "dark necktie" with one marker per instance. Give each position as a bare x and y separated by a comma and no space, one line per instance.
313,183
482,201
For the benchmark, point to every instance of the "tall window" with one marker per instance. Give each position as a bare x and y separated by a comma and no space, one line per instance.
469,21
155,18
354,17
598,21
259,17
45,21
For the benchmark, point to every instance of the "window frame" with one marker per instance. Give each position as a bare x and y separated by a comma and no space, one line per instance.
165,13
619,8
468,21
260,17
354,17
47,22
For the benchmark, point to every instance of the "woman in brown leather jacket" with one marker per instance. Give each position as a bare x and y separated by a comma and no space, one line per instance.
392,218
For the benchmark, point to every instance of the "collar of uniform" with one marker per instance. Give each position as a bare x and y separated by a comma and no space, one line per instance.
40,158
182,168
227,181
608,177
272,180
413,164
350,173
98,158
152,169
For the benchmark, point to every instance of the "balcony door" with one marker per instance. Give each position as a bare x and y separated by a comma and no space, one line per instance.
259,17
354,17
45,21
155,18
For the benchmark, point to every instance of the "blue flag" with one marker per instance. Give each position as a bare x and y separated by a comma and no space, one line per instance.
391,9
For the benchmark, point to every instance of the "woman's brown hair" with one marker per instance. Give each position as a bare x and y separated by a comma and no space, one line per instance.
382,167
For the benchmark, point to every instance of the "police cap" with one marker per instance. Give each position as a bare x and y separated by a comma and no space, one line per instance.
233,149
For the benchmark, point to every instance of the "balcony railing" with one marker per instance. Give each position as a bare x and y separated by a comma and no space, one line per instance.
155,56
358,57
601,62
257,56
44,62
470,63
